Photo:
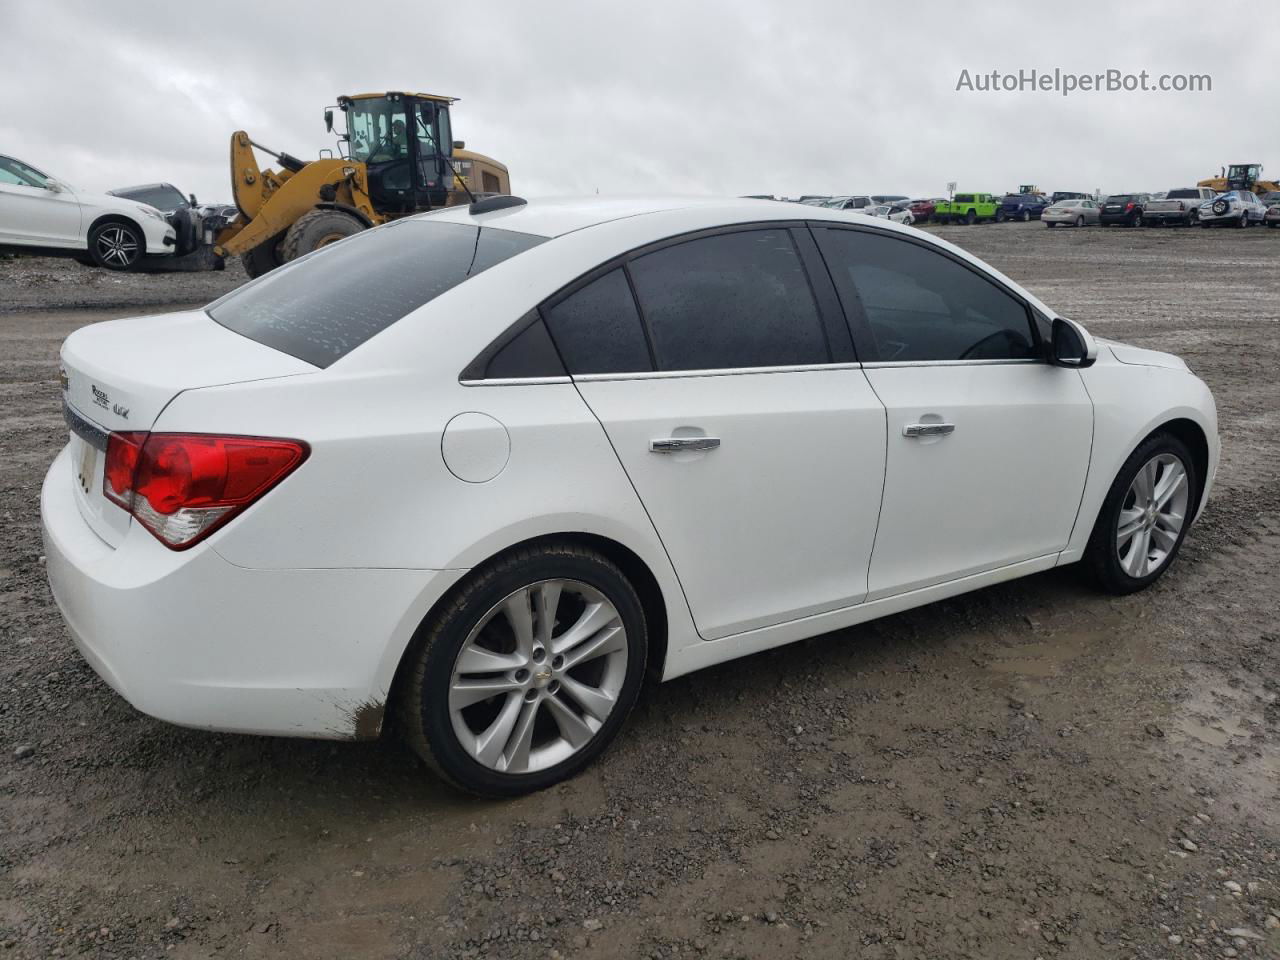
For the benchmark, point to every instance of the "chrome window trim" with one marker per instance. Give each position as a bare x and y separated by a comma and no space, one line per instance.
726,372
870,364
514,381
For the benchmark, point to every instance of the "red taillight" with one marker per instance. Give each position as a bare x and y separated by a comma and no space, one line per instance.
1128,206
183,486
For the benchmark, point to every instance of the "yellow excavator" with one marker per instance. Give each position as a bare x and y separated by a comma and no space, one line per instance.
1241,176
397,157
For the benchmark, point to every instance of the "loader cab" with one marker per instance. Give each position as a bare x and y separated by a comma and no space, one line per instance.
1242,176
403,140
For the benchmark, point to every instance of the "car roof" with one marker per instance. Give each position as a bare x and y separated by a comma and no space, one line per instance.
557,216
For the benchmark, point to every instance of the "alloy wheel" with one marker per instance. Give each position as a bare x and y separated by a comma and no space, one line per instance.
1152,516
117,246
538,676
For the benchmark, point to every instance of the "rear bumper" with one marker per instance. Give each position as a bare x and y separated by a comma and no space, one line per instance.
192,639
1167,216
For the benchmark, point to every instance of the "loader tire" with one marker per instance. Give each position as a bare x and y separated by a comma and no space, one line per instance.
263,258
317,229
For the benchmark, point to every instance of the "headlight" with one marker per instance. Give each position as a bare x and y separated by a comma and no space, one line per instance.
153,212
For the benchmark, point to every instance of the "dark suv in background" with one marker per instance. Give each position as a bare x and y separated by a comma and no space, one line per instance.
1023,206
1124,208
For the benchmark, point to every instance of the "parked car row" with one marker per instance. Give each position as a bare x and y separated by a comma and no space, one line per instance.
1184,206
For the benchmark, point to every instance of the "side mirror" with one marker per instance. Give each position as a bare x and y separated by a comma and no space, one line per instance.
459,144
191,198
328,121
1071,345
53,186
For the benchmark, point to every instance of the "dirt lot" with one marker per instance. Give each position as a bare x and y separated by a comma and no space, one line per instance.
1034,770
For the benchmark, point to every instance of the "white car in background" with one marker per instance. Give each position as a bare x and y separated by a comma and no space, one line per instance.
1237,208
41,214
897,212
595,439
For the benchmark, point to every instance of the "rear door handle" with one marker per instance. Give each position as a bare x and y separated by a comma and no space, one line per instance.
683,444
928,429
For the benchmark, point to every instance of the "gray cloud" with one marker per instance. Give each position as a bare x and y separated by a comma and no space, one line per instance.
692,97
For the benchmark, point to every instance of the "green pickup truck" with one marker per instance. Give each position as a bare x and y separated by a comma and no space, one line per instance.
968,208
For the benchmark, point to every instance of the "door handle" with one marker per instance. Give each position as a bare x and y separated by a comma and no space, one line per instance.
683,444
928,429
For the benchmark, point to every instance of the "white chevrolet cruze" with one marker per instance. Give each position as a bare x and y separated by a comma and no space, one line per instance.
484,468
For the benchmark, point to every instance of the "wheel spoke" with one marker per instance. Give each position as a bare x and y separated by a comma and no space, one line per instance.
520,616
1136,562
547,598
594,618
464,693
1130,522
609,640
491,744
1163,539
517,751
1144,483
1172,481
594,701
476,659
572,727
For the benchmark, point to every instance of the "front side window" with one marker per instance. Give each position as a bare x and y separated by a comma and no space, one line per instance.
921,305
19,174
326,304
731,300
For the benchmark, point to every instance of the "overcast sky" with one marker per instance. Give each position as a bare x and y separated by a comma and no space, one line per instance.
730,96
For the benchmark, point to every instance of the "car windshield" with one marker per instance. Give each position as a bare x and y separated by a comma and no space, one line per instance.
324,305
162,197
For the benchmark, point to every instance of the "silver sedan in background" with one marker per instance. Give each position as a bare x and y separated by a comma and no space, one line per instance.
1075,213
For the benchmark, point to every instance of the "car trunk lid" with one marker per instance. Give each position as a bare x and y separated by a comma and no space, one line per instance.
120,375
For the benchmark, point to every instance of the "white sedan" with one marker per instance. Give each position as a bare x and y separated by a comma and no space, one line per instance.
488,466
897,212
44,215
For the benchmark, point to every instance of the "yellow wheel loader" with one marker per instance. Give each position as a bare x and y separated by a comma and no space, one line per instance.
1241,176
398,157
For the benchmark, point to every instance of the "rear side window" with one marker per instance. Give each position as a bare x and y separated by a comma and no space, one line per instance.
597,328
326,304
730,300
921,305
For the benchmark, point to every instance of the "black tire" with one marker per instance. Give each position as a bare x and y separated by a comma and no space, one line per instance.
1136,220
117,245
1101,556
1193,218
263,258
317,229
1049,224
1000,217
421,696
971,218
1026,215
1079,221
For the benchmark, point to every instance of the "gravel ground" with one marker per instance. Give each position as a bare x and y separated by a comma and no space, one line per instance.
1032,770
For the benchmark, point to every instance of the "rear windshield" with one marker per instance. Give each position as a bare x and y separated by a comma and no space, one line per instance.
324,305
1120,198
1183,195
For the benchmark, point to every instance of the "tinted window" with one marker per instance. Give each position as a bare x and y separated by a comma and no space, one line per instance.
529,354
326,304
731,300
597,328
921,305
